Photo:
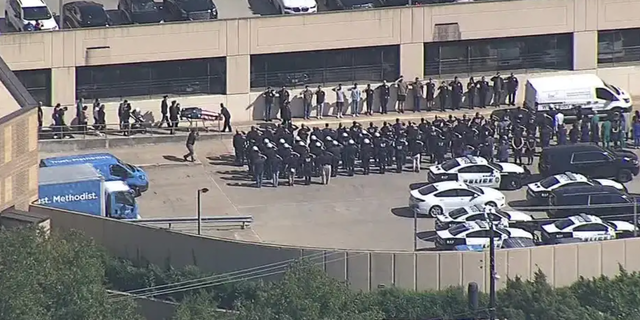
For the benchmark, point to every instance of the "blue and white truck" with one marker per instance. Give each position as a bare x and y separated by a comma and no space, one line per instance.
108,165
81,188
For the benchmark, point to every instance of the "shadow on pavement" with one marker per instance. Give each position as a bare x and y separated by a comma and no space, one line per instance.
518,204
429,236
173,158
406,212
223,160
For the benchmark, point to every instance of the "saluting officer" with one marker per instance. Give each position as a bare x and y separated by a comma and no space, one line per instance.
471,93
443,92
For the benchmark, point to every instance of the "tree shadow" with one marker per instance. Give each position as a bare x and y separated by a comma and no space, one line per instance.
406,212
173,158
429,236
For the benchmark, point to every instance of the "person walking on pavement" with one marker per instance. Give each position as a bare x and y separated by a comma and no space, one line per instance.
227,117
174,111
512,87
191,141
164,110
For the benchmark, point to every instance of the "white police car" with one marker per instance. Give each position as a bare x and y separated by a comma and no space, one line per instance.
479,172
585,228
538,192
437,198
474,213
476,233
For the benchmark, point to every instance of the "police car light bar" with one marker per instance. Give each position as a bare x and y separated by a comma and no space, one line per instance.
471,159
571,176
585,217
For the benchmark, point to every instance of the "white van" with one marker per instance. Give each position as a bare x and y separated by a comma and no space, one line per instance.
20,13
566,93
295,6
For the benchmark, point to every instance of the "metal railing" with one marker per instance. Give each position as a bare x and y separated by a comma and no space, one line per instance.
242,221
113,130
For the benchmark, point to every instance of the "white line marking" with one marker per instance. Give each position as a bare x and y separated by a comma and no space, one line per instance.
318,202
202,165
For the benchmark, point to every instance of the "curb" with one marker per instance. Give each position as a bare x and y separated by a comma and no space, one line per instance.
169,165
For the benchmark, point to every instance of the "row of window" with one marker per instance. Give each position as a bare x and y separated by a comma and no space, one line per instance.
330,67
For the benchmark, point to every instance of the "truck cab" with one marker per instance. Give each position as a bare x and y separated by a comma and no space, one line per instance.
120,201
109,166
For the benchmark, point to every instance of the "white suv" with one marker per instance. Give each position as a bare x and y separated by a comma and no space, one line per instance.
21,13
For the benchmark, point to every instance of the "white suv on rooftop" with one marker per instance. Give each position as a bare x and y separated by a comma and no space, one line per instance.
21,13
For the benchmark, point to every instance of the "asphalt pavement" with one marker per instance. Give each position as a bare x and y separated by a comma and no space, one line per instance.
361,212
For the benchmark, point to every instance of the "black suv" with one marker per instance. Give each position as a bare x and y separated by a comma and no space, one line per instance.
140,11
601,201
590,160
185,10
84,14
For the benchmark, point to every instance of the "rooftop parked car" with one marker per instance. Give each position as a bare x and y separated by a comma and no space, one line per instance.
85,14
140,11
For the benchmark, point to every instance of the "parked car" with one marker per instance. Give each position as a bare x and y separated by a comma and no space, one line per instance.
140,11
352,4
586,228
590,160
538,192
295,6
184,10
85,14
479,172
19,14
441,197
601,201
476,233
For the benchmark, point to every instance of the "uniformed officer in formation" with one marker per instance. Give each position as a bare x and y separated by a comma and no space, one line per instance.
289,152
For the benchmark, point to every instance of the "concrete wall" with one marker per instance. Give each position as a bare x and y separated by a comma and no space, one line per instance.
237,39
19,159
563,264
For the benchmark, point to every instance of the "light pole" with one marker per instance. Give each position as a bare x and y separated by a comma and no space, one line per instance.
200,191
415,229
488,210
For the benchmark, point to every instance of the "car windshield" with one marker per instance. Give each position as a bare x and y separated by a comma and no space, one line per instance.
475,189
454,231
124,197
94,15
195,5
612,88
457,213
563,224
144,6
450,164
427,190
549,182
36,13
126,165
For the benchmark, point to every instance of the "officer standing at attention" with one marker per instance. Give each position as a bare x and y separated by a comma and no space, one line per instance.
530,148
430,94
366,152
483,91
417,87
518,147
336,150
512,87
503,151
443,92
368,96
456,93
320,100
324,161
574,133
401,154
307,101
307,168
440,149
258,169
191,141
471,93
164,110
383,89
562,134
381,154
498,84
350,157
283,98
239,145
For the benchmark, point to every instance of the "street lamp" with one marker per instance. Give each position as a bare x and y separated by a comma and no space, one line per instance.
200,191
488,210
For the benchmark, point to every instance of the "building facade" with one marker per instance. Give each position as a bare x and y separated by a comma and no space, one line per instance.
232,61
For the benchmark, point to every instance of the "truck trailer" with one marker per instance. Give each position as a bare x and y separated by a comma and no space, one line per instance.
81,188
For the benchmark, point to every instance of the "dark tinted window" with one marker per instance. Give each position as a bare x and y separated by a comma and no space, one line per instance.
345,66
93,14
484,169
608,199
549,182
589,156
593,227
446,194
426,190
469,169
38,83
604,94
489,55
153,79
465,193
571,200
618,47
195,5
454,231
478,234
450,164
457,213
562,224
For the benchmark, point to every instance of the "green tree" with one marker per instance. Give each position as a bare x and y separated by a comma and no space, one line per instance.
201,306
57,276
618,297
398,303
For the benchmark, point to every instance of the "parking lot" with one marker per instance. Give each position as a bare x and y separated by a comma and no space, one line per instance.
361,212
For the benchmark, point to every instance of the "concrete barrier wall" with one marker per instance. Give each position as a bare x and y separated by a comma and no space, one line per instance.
363,270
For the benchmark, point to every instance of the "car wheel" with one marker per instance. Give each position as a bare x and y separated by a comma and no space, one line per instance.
435,211
514,184
491,204
624,175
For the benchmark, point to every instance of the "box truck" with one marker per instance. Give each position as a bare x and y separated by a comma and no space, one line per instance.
111,168
569,93
82,188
